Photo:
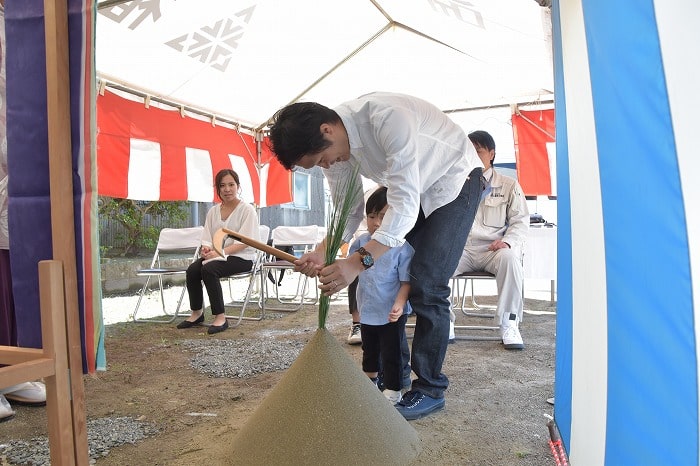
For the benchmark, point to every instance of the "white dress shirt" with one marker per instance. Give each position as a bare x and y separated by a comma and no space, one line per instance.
243,219
409,146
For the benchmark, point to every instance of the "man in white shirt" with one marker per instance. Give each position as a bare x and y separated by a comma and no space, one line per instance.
432,172
497,240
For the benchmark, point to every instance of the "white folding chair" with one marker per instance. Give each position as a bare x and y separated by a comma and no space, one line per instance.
264,233
459,294
253,276
459,297
458,303
302,238
474,309
177,248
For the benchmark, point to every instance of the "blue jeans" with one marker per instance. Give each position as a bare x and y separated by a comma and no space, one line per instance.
438,241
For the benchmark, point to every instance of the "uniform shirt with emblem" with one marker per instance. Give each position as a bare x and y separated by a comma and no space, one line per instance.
502,214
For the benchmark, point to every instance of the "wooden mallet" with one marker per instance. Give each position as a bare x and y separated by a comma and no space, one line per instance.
221,234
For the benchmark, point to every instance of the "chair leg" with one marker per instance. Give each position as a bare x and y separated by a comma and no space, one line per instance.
244,304
476,305
458,299
143,291
290,303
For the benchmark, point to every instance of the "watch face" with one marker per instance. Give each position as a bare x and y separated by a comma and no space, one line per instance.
367,261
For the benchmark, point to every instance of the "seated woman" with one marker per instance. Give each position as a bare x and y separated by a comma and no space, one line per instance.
233,214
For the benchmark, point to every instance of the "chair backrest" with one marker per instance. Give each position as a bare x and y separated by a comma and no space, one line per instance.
177,243
295,236
179,238
264,233
322,232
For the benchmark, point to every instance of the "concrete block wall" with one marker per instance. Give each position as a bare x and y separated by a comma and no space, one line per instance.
119,275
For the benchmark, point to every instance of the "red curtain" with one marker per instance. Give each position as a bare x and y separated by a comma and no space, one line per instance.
533,134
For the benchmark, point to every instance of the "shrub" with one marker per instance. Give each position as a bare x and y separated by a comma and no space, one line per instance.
138,233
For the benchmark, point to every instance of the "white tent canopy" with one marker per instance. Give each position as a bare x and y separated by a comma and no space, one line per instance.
244,59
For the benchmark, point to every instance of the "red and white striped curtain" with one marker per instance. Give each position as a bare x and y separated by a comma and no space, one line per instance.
155,154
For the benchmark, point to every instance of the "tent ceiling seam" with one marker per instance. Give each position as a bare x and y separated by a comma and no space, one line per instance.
382,11
331,70
110,3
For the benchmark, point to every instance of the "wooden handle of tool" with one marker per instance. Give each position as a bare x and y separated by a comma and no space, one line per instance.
221,234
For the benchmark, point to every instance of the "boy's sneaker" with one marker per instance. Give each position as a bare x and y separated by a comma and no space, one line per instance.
393,396
378,382
511,335
355,337
415,405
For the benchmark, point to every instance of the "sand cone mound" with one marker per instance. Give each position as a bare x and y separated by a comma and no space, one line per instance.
326,411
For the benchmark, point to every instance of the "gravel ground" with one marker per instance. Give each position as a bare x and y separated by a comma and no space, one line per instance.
103,435
236,358
214,358
167,391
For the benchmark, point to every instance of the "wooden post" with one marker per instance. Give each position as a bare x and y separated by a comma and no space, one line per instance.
55,346
51,363
62,214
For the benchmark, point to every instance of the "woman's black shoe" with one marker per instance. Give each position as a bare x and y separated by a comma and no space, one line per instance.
217,328
188,324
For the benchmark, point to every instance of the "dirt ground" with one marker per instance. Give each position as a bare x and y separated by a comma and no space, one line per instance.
495,404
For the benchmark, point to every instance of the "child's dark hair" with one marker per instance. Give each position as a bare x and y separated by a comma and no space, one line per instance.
376,201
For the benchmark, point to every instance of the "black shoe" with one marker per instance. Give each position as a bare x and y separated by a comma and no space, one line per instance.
217,328
188,324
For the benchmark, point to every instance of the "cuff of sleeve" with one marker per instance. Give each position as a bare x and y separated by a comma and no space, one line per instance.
387,240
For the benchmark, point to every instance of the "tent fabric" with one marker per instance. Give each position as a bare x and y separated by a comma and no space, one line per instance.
29,197
626,383
244,59
153,154
533,136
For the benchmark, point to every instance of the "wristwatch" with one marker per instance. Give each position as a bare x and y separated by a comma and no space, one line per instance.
365,257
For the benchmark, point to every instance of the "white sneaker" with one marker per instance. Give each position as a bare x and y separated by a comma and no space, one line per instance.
394,396
511,336
451,337
355,337
6,412
28,393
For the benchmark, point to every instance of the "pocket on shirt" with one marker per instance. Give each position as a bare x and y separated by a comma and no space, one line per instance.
495,211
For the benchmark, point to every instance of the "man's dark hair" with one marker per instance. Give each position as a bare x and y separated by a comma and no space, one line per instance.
376,201
296,131
483,139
